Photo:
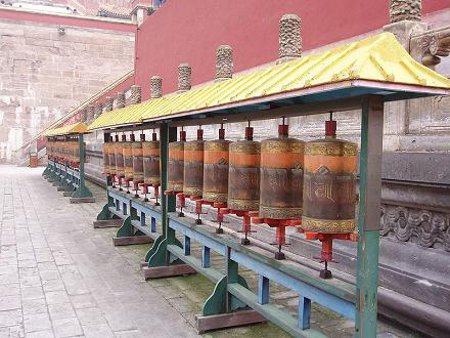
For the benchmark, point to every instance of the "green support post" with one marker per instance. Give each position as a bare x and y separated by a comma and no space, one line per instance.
160,262
369,216
82,194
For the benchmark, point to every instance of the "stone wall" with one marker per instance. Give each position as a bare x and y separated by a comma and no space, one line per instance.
47,70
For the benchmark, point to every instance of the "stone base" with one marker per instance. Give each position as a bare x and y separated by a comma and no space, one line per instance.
67,193
131,240
168,271
109,223
76,200
222,321
62,189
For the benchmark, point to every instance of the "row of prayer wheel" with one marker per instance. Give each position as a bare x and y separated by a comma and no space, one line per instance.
64,151
280,178
136,161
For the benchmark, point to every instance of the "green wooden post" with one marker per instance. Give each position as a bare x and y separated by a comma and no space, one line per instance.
369,216
82,193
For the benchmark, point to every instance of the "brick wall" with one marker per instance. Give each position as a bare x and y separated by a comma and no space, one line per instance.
44,74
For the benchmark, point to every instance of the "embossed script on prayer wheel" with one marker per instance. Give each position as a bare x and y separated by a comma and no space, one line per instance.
176,164
111,157
138,165
150,154
244,176
118,149
329,193
215,173
281,177
193,167
128,160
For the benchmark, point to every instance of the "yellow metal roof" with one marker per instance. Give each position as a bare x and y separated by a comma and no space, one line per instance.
379,58
76,128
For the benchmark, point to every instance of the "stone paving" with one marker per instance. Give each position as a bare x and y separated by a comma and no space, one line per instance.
61,278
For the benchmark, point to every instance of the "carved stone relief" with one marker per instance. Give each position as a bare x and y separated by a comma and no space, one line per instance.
424,227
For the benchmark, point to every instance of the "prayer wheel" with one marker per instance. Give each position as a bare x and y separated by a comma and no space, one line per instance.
119,157
244,175
193,167
150,153
215,171
112,157
76,147
176,164
281,177
127,159
138,164
329,194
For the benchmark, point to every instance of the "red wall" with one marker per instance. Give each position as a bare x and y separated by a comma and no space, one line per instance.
190,31
66,20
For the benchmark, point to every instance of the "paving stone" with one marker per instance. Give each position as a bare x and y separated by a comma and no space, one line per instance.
10,302
91,316
32,306
53,285
37,322
68,327
56,297
61,311
41,334
32,292
10,318
96,331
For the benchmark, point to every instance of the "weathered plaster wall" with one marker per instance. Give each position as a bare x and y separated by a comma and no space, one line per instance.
44,74
190,31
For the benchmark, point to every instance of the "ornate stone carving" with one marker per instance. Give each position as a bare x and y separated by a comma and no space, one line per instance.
184,77
109,103
120,100
290,39
224,63
424,227
98,110
135,95
405,10
435,44
155,87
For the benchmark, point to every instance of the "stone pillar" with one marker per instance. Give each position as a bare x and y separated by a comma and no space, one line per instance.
135,95
224,63
83,115
109,104
405,16
90,111
155,87
98,110
184,77
120,100
290,39
405,22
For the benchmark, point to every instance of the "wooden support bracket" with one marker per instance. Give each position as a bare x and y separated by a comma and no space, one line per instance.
167,271
131,240
225,320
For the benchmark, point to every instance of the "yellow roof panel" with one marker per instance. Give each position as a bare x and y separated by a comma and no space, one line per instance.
379,58
76,128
